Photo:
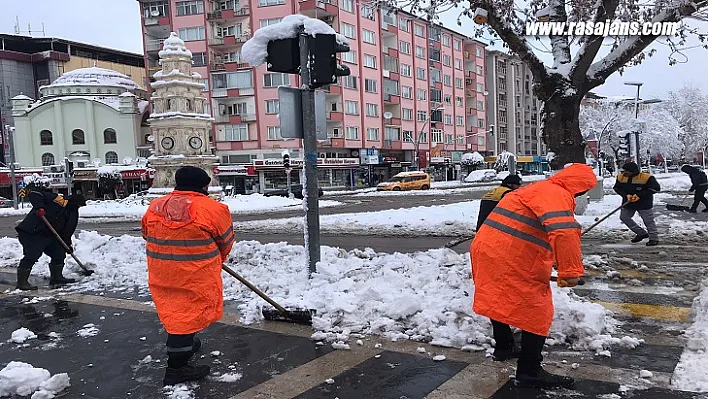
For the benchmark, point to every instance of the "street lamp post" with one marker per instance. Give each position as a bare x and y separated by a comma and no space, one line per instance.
636,116
416,145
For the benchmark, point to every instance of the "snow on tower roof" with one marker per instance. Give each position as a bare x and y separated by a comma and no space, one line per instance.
21,97
174,46
95,76
255,50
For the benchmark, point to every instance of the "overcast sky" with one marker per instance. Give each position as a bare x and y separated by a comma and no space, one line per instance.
116,24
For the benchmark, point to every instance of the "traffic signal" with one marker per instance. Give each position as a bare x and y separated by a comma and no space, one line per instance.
624,145
68,167
284,56
447,161
286,161
324,69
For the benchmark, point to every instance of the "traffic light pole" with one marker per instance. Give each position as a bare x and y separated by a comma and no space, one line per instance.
11,157
312,215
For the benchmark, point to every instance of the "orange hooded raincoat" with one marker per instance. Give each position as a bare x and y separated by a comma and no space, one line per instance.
514,251
189,236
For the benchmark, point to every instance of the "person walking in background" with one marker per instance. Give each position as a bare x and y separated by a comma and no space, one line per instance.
637,190
699,186
492,198
36,238
512,259
188,237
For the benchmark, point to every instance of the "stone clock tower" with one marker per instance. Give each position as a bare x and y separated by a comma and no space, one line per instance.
179,126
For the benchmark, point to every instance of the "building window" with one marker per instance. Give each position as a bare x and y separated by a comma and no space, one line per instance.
351,107
459,83
272,106
422,116
459,101
190,7
154,9
349,82
460,121
370,85
352,133
199,59
78,137
420,73
460,140
47,159
232,80
422,95
407,136
191,34
404,47
407,92
265,3
478,51
420,52
449,139
419,30
347,5
236,132
479,69
458,45
267,22
372,109
446,40
407,114
368,12
276,79
480,123
435,96
448,99
447,80
448,119
45,138
392,134
404,24
458,64
372,134
369,61
347,30
109,136
446,60
111,158
368,37
423,137
349,57
274,133
436,136
480,105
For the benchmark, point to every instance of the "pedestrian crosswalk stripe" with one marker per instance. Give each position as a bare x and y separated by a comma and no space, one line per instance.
670,313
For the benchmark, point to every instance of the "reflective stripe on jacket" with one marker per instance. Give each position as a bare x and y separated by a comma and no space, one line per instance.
489,202
514,251
188,236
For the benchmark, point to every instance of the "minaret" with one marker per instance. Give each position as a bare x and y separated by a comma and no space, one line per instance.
178,124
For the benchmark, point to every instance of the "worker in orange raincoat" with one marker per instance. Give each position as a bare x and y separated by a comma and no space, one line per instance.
513,254
188,237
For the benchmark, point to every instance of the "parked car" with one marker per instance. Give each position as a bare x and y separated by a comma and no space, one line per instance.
406,181
482,175
296,189
5,203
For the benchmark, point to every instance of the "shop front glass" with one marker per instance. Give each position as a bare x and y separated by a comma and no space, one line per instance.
334,177
277,179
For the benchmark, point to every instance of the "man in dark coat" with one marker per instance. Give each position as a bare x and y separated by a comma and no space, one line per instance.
492,198
36,238
699,186
637,190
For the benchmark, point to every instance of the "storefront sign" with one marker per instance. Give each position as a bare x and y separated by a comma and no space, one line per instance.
133,174
85,175
437,160
298,163
235,170
19,175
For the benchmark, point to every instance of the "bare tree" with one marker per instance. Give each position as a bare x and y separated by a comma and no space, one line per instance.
576,67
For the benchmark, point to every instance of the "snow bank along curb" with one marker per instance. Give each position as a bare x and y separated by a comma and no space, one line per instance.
691,373
426,296
23,379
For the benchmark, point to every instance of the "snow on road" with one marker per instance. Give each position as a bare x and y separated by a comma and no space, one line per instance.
131,208
691,373
425,296
23,379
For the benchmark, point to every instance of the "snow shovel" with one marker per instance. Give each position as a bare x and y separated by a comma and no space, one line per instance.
85,271
298,316
680,207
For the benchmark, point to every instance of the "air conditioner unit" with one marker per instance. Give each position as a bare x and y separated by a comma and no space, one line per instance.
56,169
81,164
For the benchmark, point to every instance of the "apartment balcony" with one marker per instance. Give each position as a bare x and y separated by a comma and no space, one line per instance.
319,8
392,98
217,66
228,41
236,66
226,15
392,122
335,116
470,93
219,93
332,90
154,45
392,144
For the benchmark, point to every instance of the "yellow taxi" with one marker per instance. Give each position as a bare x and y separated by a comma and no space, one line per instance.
406,181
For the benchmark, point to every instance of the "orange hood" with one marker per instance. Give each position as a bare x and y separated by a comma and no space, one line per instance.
175,209
576,178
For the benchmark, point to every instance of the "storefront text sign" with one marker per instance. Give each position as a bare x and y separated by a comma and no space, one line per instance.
297,163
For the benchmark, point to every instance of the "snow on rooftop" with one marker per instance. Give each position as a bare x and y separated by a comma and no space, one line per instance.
127,94
111,101
174,46
95,76
255,50
180,114
21,97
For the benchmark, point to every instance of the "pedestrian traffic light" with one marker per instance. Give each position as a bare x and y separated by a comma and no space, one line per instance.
324,69
284,55
68,167
286,161
624,145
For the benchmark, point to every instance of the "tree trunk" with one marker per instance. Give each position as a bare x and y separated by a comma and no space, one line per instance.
561,130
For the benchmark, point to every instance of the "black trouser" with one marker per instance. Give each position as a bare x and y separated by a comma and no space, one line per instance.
33,245
531,347
179,349
700,196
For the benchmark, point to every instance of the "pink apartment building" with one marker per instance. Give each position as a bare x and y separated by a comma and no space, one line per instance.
412,87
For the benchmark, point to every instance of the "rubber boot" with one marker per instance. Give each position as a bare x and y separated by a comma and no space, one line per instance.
693,210
23,280
652,243
504,354
185,374
197,345
543,379
57,279
640,237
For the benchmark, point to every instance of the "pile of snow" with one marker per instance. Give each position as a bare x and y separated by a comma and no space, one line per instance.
179,391
425,296
23,379
482,175
21,335
255,50
690,373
